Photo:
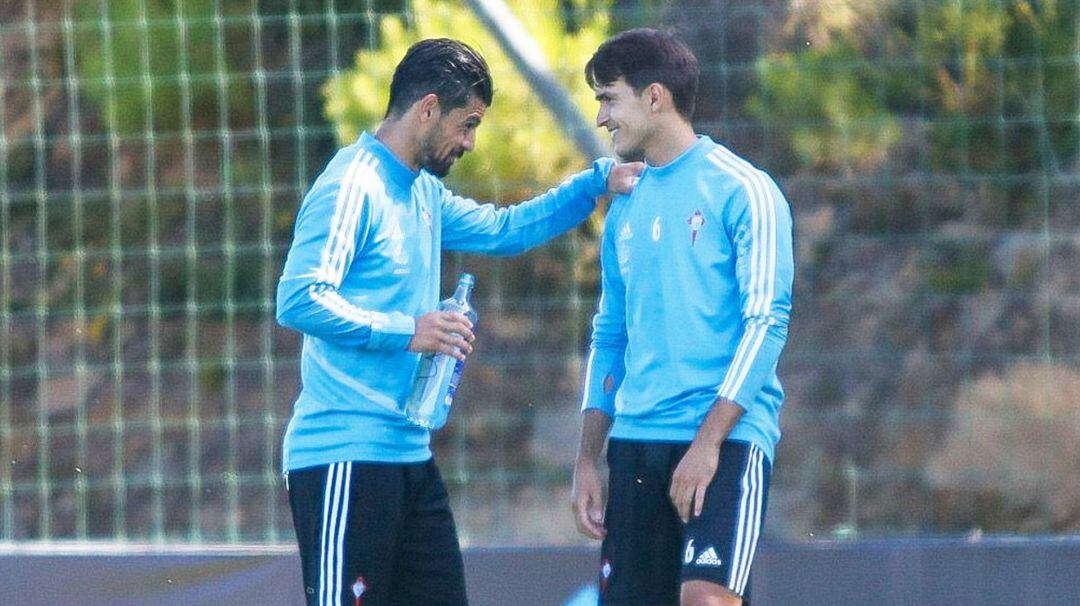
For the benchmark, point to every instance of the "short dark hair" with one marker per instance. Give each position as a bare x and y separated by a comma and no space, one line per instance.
643,56
450,69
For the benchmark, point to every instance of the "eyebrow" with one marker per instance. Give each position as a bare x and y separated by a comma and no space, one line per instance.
605,96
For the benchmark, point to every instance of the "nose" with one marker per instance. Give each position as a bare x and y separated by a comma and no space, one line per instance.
602,116
470,141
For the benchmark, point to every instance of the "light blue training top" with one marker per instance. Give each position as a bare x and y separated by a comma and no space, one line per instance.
697,269
364,263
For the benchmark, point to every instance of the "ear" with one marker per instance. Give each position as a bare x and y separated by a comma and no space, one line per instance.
655,94
428,108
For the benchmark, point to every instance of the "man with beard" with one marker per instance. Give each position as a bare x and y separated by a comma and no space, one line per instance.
361,282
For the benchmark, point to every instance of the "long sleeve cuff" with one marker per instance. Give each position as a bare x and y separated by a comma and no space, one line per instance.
604,373
601,169
755,359
391,331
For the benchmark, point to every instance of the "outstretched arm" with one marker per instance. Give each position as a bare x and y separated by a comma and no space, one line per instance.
485,228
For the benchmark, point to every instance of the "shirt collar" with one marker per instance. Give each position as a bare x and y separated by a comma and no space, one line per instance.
395,169
670,167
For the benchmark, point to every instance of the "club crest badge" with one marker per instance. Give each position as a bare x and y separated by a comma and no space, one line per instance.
605,574
358,589
696,222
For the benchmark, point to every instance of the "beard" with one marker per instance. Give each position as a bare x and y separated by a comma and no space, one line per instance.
431,162
439,168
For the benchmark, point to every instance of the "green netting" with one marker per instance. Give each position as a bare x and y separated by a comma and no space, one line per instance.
152,157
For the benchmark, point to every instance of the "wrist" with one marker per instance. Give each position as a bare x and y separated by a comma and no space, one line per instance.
711,443
585,460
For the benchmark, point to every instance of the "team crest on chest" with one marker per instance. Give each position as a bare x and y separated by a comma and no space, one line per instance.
359,588
696,222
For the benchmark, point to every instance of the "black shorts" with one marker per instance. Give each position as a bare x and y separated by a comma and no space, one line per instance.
373,534
649,552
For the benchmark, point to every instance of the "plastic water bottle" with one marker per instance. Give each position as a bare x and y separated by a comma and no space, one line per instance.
437,375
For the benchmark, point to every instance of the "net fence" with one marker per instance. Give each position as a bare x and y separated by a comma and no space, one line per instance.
153,156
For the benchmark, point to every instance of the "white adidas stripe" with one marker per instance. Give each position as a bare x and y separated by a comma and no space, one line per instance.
362,180
325,554
592,356
758,507
763,218
742,362
753,523
749,522
335,514
354,189
333,302
761,288
341,239
325,528
365,176
588,380
737,544
757,334
340,547
336,219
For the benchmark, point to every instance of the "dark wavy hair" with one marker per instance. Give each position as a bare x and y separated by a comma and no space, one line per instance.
643,56
450,69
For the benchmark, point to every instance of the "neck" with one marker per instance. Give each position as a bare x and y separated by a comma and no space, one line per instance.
669,141
396,139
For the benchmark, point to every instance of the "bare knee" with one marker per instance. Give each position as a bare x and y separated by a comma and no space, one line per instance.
704,593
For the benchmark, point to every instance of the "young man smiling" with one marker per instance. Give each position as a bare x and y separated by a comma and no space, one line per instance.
361,282
696,267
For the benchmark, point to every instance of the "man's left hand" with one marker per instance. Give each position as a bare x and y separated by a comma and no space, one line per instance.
623,177
692,477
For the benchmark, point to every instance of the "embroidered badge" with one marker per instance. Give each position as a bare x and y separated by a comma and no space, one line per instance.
358,589
696,221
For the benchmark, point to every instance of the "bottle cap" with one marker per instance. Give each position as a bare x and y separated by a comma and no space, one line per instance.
467,279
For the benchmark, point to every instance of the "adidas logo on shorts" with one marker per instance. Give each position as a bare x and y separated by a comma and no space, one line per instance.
708,558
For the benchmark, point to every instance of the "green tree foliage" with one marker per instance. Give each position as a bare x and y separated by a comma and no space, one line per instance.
520,147
982,75
160,64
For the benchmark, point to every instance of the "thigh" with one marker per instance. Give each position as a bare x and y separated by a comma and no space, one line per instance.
640,555
347,517
428,568
719,545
